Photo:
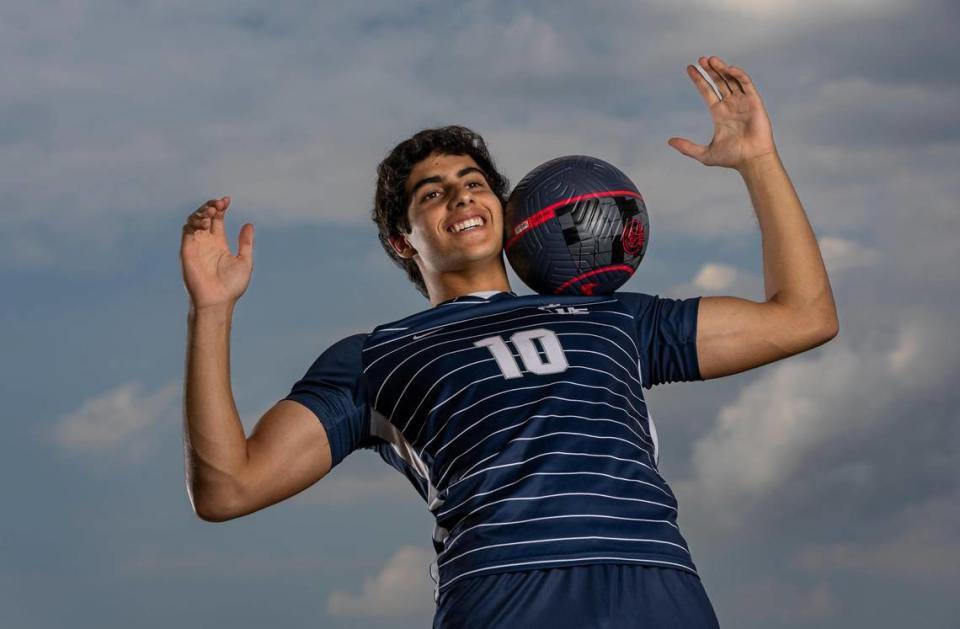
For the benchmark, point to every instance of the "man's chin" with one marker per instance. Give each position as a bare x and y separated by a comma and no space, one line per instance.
476,261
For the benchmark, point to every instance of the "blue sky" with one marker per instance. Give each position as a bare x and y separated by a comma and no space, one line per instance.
821,490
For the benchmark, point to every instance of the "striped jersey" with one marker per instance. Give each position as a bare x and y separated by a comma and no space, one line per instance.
521,421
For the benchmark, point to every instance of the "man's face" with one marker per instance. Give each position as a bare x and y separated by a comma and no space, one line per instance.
456,220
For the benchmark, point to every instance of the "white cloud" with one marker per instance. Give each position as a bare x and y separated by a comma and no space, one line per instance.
759,440
403,586
780,421
840,254
714,276
112,421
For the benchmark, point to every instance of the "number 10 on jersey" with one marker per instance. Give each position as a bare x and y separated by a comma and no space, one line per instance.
552,360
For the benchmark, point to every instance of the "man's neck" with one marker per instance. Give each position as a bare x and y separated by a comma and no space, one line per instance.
451,285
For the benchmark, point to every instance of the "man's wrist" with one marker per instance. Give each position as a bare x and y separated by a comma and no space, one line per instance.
760,165
214,311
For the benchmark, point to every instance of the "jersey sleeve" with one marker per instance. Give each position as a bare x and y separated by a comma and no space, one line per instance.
667,333
335,389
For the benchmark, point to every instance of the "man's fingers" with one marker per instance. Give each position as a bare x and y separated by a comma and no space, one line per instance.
724,71
189,233
710,97
216,227
209,216
202,212
743,80
722,86
217,204
198,221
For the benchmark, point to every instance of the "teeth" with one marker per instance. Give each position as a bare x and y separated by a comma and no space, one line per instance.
476,221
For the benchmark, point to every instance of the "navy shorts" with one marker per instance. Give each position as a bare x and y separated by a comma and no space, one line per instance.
596,596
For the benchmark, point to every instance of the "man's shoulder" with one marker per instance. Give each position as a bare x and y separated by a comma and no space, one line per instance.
342,353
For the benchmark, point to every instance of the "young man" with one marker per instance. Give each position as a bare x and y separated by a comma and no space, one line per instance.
520,420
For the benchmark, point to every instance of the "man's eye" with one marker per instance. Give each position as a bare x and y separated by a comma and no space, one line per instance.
475,183
430,195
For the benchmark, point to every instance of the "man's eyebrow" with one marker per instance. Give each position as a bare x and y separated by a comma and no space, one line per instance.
423,182
437,179
471,169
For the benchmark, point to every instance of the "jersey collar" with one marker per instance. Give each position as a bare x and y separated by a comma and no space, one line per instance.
479,297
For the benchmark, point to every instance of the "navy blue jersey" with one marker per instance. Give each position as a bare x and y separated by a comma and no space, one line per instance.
522,423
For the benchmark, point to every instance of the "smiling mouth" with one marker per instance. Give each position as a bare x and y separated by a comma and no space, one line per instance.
470,224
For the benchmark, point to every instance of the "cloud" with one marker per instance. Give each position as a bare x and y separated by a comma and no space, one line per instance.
872,113
841,254
401,587
230,563
789,10
758,441
717,278
113,421
770,602
273,116
803,411
920,544
713,276
343,489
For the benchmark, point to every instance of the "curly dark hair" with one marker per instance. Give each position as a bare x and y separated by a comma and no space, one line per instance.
391,201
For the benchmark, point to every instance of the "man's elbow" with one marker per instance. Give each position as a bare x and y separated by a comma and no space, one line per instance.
209,509
829,322
821,322
832,329
810,330
209,513
825,330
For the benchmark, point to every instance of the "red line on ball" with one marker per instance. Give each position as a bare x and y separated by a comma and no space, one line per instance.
549,212
612,267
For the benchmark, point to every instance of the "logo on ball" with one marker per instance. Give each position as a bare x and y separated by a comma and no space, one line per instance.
632,236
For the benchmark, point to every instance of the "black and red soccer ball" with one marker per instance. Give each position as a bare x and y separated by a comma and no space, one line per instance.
575,225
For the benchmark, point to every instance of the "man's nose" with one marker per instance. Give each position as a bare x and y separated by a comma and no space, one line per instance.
463,197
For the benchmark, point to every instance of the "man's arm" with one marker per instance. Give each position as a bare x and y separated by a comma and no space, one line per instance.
735,334
229,475
287,452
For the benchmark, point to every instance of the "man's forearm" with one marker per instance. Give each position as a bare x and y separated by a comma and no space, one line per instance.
215,445
793,271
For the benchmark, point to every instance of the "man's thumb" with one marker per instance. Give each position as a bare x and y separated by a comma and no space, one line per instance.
245,246
688,148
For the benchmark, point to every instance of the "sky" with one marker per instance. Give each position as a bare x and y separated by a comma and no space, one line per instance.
822,490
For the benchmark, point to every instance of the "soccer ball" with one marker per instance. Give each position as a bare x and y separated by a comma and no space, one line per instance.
575,225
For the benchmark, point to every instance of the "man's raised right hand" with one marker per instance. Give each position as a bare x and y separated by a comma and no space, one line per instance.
211,274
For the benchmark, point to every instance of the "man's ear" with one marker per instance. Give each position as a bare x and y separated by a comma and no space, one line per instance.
402,246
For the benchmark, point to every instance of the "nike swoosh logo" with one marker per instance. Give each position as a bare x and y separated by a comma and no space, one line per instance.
417,337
